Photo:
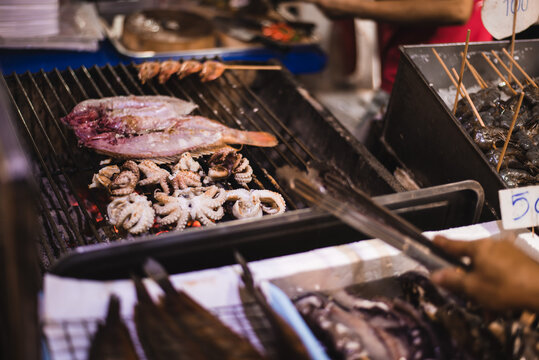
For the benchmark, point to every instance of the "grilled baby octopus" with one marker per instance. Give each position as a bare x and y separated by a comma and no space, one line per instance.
202,204
133,212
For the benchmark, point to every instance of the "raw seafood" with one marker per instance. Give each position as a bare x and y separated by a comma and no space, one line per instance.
153,127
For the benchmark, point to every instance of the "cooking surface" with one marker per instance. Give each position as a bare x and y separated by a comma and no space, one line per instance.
73,216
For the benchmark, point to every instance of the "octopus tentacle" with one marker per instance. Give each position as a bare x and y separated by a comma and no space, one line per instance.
243,173
154,175
103,177
272,202
246,204
124,183
186,162
133,212
183,179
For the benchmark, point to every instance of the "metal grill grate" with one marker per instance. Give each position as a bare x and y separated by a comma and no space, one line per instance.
72,216
70,340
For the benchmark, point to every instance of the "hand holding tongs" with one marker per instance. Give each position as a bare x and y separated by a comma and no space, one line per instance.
359,211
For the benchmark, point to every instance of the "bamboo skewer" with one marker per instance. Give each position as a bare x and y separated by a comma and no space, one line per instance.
467,97
515,10
513,61
253,67
446,71
476,75
498,72
507,69
515,116
461,74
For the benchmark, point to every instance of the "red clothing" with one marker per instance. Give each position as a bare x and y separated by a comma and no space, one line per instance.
391,36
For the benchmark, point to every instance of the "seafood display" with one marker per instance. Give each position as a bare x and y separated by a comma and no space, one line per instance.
520,166
208,70
421,323
153,127
146,194
111,340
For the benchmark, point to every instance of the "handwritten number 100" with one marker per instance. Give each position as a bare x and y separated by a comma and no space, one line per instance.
511,5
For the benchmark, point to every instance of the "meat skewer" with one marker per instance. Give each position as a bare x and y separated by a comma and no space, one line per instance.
480,81
508,70
513,61
208,70
462,66
499,73
446,71
515,116
515,10
467,96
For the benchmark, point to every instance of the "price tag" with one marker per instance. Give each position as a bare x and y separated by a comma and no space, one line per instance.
519,207
497,16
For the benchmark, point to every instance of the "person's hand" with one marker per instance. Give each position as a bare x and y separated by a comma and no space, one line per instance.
502,276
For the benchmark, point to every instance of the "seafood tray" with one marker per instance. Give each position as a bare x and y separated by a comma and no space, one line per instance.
421,134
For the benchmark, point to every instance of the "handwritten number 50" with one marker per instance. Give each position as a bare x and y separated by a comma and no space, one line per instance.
520,197
511,5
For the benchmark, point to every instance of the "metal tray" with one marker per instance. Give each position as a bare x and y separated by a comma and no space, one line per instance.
114,33
435,208
420,131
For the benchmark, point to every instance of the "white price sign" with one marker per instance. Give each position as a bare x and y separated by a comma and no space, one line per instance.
497,16
519,207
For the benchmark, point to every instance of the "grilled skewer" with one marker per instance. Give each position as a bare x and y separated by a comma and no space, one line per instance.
208,70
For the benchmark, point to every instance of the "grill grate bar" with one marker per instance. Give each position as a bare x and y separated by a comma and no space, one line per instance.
130,77
118,79
261,104
104,79
91,80
240,110
55,93
66,87
38,154
80,208
76,79
248,151
52,224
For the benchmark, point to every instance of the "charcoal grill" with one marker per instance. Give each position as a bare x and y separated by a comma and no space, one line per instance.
422,134
72,221
73,217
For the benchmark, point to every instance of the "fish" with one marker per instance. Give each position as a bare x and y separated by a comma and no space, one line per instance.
112,341
219,341
153,127
160,337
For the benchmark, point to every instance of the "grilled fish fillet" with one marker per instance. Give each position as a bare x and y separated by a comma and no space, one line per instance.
153,127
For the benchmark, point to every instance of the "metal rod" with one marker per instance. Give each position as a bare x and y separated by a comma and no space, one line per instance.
262,105
470,102
105,81
130,77
76,79
118,79
38,154
96,88
461,73
499,73
515,116
67,88
507,69
81,208
513,61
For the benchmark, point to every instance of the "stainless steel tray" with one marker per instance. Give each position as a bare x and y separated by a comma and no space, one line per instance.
114,33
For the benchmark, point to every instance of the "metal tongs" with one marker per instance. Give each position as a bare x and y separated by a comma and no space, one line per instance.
359,211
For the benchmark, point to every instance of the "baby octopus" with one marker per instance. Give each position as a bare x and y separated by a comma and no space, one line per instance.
154,175
103,177
186,173
251,203
203,204
125,182
133,212
226,162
